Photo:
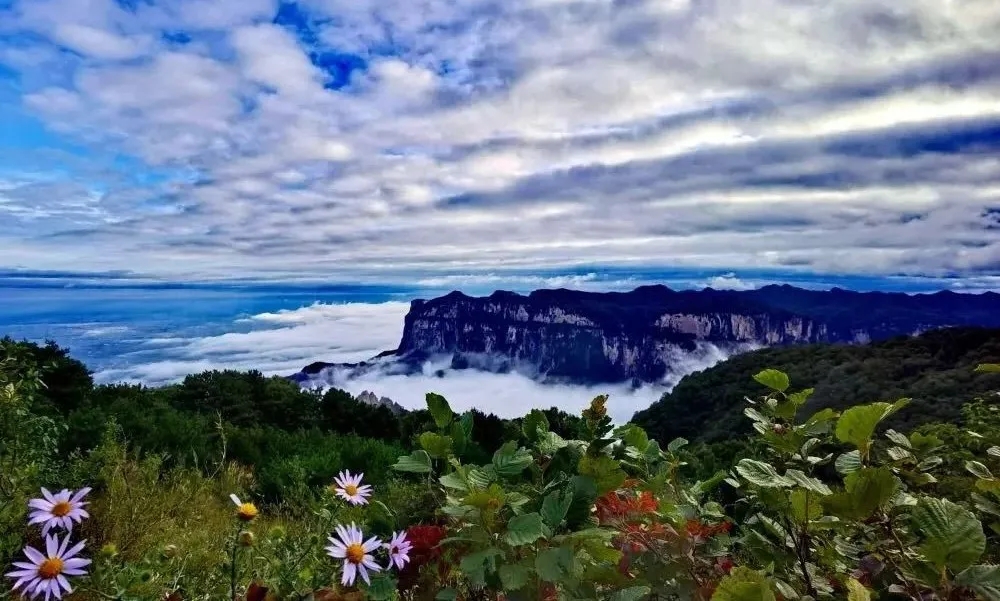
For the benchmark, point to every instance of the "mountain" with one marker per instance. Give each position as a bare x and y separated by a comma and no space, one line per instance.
587,337
935,370
369,398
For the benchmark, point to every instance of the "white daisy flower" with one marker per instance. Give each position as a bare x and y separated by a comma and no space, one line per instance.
399,550
45,574
355,553
349,488
58,510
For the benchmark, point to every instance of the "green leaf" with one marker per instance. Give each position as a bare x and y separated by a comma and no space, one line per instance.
382,588
534,425
448,594
982,580
440,410
676,444
509,460
417,462
584,495
743,584
454,480
857,425
762,474
857,591
554,562
805,481
978,470
514,577
773,379
988,368
805,507
525,529
633,436
995,451
870,489
898,438
437,446
800,397
633,593
848,462
953,537
756,416
549,443
555,506
459,437
477,565
819,423
606,473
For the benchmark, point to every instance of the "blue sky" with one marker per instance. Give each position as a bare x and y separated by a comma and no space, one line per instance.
473,142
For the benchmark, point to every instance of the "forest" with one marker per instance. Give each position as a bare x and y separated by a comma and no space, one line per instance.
797,484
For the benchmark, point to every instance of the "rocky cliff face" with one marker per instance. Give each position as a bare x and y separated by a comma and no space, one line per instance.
591,337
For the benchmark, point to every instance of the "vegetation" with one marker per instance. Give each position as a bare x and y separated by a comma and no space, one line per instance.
191,493
934,370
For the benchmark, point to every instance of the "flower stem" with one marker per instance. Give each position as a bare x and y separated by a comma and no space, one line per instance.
232,574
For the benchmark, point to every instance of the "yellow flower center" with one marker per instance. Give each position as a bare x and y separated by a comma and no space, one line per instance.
61,509
50,568
351,490
247,511
355,553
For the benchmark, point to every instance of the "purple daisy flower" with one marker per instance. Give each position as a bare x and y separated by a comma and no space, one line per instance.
45,574
399,550
58,510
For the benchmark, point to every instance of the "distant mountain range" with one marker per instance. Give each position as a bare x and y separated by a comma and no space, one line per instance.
587,337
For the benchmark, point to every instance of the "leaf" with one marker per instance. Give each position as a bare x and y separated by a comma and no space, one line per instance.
534,425
525,529
857,425
459,437
552,563
436,445
743,584
756,416
555,506
584,495
899,453
898,438
819,423
848,462
676,444
454,480
633,436
762,474
549,443
995,451
953,537
929,463
440,410
382,587
802,511
633,593
773,379
982,580
509,460
978,470
448,594
514,576
417,462
606,473
857,591
805,481
988,368
477,565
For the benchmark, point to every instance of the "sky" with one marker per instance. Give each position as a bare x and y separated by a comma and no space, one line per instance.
450,141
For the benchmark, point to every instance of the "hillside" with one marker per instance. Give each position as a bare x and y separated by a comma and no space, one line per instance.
934,369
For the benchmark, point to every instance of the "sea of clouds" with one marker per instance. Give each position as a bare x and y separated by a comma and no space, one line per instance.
282,342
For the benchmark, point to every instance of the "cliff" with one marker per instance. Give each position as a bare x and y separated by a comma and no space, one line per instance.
608,337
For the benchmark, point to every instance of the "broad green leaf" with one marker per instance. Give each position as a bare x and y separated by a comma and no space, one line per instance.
477,565
805,481
857,425
773,379
440,410
459,438
509,460
418,462
982,580
898,438
676,444
454,480
988,368
898,453
633,593
857,591
805,507
978,470
743,584
762,474
929,463
525,529
756,416
606,473
437,446
534,425
584,494
514,576
517,500
549,443
800,397
866,490
952,536
481,477
633,436
382,588
552,563
819,423
448,594
995,451
555,506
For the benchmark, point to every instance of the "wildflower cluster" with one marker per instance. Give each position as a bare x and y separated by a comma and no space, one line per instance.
45,573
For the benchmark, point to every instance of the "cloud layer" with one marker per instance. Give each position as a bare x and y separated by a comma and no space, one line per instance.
403,140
